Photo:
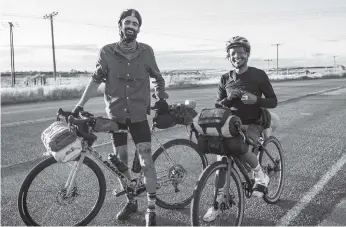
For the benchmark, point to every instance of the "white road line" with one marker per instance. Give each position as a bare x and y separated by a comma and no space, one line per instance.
337,92
32,110
306,199
27,122
35,121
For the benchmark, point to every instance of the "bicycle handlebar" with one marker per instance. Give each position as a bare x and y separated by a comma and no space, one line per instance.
80,122
82,125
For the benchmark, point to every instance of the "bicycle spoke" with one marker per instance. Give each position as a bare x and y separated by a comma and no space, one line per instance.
44,217
52,178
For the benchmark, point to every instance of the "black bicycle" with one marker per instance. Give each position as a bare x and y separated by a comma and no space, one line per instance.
72,193
238,183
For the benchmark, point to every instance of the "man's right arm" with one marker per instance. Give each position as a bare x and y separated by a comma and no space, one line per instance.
89,92
221,97
98,77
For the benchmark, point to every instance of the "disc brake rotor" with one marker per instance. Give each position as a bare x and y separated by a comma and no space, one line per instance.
177,173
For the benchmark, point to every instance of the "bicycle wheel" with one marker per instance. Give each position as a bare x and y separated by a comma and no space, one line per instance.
42,197
178,164
274,166
229,212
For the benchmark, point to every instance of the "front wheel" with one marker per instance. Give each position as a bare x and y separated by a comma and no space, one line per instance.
178,164
43,199
205,196
272,161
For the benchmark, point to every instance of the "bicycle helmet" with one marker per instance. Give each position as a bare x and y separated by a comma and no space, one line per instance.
238,41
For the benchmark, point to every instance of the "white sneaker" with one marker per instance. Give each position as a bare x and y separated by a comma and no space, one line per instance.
263,182
211,214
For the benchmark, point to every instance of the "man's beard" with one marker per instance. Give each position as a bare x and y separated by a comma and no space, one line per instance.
242,62
127,37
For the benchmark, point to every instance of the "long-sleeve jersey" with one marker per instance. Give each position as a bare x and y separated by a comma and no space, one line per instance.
254,81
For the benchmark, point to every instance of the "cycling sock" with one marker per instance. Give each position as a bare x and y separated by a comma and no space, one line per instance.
258,172
151,202
219,191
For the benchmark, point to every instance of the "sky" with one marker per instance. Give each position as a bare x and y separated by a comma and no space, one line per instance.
185,34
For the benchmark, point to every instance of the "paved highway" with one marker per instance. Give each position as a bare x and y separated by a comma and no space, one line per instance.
312,133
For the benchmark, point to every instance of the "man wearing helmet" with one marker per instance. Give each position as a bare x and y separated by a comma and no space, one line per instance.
242,89
125,67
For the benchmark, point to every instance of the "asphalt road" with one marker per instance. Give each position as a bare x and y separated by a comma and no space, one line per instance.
312,133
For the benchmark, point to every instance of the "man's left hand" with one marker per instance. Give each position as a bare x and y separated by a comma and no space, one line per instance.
249,98
163,95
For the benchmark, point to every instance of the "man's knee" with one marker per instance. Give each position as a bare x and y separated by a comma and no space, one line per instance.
275,121
254,132
144,151
121,152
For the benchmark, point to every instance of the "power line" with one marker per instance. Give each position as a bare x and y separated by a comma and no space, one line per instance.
268,60
335,62
277,57
325,12
50,17
13,71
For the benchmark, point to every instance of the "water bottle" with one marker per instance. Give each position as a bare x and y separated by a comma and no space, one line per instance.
118,163
136,165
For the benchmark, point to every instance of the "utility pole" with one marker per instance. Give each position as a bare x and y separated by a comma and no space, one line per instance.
334,63
268,60
50,17
277,56
13,71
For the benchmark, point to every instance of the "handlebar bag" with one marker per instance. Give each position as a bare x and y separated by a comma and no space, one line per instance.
183,114
61,142
163,121
218,122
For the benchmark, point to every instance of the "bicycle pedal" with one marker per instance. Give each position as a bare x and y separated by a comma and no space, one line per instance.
118,194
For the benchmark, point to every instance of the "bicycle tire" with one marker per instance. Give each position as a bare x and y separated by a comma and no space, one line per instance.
200,184
178,142
273,199
22,203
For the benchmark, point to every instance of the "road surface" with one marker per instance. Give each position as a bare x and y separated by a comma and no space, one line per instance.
312,133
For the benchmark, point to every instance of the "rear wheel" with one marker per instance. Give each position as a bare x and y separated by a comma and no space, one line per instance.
178,164
272,162
43,199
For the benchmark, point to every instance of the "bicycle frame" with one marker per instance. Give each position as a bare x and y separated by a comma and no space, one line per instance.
243,170
130,184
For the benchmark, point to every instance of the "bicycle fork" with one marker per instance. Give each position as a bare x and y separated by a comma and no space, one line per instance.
226,203
70,183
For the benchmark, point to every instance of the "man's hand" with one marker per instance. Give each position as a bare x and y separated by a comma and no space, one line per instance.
161,106
249,98
234,94
77,110
164,96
